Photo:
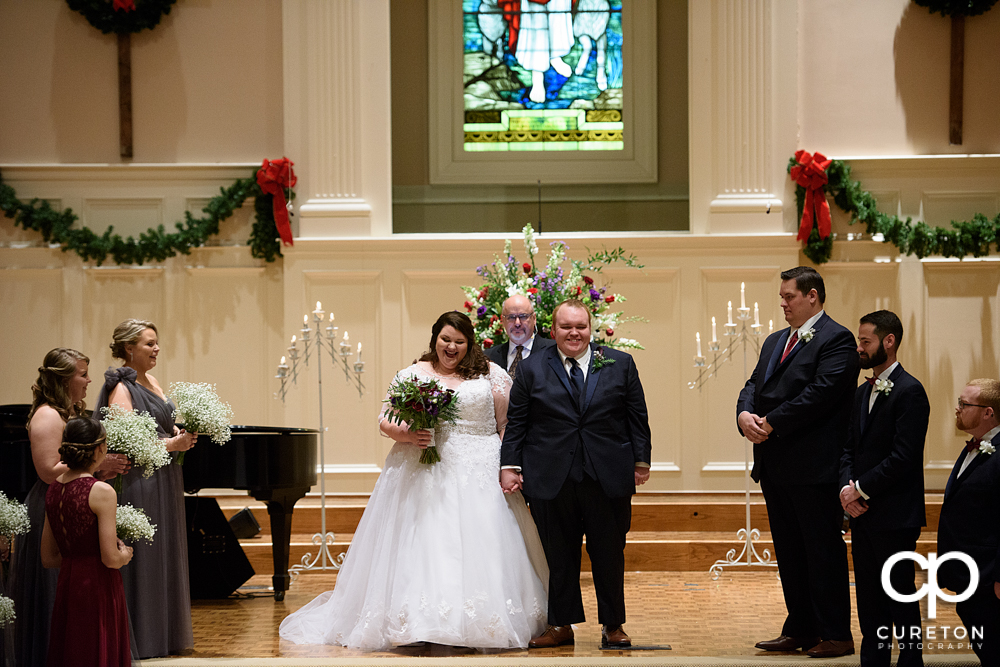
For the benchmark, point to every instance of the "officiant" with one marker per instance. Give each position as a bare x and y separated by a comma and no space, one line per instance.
518,315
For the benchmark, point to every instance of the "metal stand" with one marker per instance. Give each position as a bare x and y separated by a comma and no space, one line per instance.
323,560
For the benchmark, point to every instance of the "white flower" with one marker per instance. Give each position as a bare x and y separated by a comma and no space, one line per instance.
13,517
884,386
132,525
529,240
987,447
201,411
134,434
807,335
6,610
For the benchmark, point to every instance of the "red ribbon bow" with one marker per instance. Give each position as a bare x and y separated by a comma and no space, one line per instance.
273,177
810,173
972,444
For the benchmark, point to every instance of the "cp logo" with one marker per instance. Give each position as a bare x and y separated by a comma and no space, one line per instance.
931,588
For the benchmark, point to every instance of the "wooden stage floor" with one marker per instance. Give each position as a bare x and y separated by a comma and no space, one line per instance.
689,611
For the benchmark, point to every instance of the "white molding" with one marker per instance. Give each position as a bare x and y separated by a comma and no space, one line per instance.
349,469
451,164
668,466
726,466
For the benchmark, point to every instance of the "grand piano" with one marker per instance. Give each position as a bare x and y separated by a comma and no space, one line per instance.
274,465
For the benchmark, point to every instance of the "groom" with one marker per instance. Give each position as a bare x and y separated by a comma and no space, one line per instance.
577,441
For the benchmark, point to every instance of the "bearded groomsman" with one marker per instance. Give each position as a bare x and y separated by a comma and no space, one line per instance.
795,408
970,518
882,479
518,315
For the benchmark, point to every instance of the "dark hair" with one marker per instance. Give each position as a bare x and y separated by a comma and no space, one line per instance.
806,279
81,438
572,303
56,371
885,323
474,363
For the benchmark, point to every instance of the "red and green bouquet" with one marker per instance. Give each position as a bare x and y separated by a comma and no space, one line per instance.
422,404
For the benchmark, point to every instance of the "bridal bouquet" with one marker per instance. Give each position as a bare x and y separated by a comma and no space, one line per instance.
201,411
6,610
132,525
133,433
13,517
423,404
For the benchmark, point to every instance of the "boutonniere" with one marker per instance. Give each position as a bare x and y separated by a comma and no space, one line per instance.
884,386
600,360
807,335
987,447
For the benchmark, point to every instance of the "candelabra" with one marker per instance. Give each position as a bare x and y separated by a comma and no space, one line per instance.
744,337
324,340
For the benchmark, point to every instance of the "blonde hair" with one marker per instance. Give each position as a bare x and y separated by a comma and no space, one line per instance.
989,393
127,333
572,303
52,386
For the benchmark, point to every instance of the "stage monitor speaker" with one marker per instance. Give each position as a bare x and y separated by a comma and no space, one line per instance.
244,524
216,563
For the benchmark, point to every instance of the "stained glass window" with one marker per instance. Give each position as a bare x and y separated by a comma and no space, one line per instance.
543,75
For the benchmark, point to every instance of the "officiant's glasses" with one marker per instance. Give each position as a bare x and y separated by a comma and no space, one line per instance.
524,317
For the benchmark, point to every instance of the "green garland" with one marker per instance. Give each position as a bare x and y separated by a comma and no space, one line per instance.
102,15
56,227
912,238
957,7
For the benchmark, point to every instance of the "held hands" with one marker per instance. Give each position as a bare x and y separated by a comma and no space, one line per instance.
755,428
641,475
511,481
126,552
182,441
851,500
421,438
114,464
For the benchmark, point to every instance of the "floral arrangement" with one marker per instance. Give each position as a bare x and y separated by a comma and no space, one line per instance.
547,286
6,610
600,361
133,433
13,517
884,386
422,404
132,525
201,411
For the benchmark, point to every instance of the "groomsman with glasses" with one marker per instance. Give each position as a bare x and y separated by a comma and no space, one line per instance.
882,489
518,317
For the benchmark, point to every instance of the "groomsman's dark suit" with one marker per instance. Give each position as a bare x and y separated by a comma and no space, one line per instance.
807,401
885,457
500,353
970,523
578,464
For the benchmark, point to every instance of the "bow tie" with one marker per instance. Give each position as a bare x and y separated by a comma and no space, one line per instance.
870,381
972,444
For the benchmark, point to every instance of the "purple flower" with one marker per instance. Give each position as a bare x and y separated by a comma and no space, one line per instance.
481,311
594,295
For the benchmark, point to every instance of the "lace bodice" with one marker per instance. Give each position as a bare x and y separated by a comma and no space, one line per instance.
74,524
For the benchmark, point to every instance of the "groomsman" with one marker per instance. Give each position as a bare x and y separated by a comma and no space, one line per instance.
970,518
882,478
518,315
795,408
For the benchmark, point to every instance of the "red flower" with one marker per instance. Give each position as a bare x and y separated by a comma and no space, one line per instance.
527,267
124,5
468,306
493,319
588,280
532,290
487,343
482,293
610,331
609,299
578,290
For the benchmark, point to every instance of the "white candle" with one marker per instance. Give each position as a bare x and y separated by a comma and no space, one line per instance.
305,320
743,296
697,340
359,352
714,339
331,316
770,326
293,341
319,307
346,336
729,314
756,315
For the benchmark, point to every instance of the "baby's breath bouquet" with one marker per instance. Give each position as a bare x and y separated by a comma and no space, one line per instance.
547,285
133,433
6,610
423,404
13,517
201,411
132,524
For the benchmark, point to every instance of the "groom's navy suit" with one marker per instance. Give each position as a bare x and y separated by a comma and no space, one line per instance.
970,523
885,457
807,401
578,464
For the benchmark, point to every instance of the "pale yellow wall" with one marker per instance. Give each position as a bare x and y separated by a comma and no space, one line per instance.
206,84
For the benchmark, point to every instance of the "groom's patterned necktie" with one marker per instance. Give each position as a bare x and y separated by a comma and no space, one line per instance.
517,360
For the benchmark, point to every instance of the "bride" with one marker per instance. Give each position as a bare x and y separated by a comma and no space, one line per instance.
441,554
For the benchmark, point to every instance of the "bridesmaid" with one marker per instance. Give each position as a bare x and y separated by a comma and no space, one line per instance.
89,618
57,397
157,587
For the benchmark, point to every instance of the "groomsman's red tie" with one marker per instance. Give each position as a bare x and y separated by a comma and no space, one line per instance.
791,343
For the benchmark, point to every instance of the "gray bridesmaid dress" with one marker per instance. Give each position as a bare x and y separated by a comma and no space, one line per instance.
157,587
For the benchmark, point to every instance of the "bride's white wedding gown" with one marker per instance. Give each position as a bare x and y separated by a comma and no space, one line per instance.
441,554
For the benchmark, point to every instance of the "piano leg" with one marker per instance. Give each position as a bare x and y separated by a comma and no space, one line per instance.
280,503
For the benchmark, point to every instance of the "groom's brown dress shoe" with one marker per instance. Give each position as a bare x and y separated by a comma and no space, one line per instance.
556,635
785,643
832,648
614,637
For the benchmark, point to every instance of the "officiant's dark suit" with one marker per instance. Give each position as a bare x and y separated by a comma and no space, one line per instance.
970,522
797,416
884,458
580,453
500,353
